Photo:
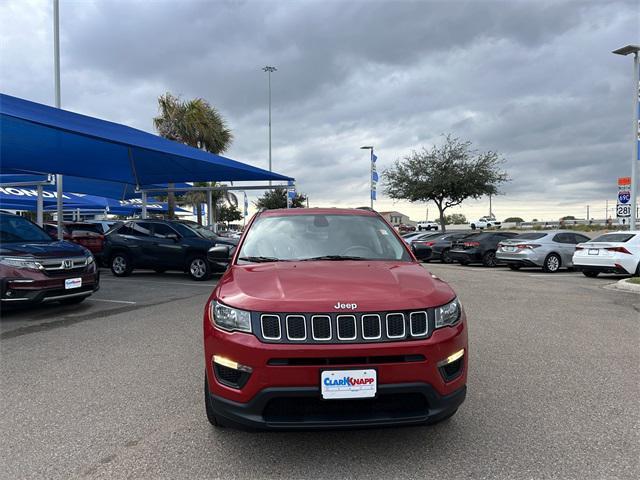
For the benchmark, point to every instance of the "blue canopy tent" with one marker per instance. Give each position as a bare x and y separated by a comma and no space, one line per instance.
25,199
89,186
41,139
38,138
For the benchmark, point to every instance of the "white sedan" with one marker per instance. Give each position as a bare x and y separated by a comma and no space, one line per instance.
617,252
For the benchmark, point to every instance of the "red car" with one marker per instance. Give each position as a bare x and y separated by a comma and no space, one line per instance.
35,268
325,318
89,235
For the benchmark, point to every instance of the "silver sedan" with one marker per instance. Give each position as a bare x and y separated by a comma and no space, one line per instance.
550,250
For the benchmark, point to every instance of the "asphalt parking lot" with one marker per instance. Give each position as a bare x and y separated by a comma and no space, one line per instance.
112,388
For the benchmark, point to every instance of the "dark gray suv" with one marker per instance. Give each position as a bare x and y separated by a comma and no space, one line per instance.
159,245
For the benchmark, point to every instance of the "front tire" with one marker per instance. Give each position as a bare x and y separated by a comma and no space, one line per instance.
590,273
473,226
198,268
445,257
121,265
489,259
552,263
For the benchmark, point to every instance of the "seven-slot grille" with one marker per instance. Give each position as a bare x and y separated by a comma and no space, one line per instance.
342,327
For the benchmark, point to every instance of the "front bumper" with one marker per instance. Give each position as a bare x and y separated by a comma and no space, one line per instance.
283,389
24,291
302,408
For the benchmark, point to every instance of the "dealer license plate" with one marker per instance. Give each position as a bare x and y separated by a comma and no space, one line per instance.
509,249
594,251
70,283
336,384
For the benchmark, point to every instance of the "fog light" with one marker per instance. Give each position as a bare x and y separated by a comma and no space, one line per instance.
452,358
225,362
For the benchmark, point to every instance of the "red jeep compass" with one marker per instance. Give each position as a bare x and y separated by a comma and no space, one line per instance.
325,318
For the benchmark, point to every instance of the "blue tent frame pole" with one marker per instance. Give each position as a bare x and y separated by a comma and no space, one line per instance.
144,205
40,206
209,207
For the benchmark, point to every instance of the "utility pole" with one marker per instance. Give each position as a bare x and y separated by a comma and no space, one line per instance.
490,209
588,213
269,71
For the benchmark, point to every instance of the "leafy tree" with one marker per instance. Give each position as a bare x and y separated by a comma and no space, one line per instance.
535,220
568,217
192,122
455,219
447,175
277,198
514,220
229,213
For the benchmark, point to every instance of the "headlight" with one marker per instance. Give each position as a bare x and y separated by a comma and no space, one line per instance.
90,260
17,262
449,314
230,319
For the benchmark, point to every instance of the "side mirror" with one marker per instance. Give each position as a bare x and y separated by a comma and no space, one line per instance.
173,236
421,251
219,254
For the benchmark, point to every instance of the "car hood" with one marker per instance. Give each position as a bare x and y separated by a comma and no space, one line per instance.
42,250
319,286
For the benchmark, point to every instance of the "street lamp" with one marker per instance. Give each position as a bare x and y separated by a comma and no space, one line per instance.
633,49
56,78
370,148
269,70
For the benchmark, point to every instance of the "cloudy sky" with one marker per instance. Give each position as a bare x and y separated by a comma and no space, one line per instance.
534,80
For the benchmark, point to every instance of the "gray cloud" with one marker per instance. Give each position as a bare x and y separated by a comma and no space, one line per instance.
533,80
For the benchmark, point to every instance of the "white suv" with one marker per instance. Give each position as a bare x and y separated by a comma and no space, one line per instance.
616,252
485,222
427,226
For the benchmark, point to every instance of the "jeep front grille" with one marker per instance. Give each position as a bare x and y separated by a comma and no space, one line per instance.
342,327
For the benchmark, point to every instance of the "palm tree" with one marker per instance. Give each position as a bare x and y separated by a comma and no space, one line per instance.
195,123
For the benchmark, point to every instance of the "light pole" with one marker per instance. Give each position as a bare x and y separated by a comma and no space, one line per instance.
269,71
56,74
629,49
370,148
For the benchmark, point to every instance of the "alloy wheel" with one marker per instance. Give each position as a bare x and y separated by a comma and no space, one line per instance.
198,268
553,264
119,265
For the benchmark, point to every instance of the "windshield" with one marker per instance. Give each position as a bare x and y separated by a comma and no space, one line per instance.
17,229
321,237
185,231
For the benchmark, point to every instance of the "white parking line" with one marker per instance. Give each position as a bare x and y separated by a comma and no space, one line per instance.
551,275
111,301
137,280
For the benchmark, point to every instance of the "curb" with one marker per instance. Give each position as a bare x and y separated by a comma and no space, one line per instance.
626,286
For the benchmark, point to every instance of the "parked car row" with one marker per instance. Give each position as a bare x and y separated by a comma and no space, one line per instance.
617,252
36,267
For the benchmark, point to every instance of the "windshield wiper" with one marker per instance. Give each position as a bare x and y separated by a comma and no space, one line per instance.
332,257
260,259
